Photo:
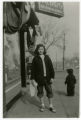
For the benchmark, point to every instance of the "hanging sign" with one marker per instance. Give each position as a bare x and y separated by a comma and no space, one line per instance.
50,8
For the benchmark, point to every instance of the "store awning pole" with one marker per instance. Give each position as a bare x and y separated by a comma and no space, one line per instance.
22,58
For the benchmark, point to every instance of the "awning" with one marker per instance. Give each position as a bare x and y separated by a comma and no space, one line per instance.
17,14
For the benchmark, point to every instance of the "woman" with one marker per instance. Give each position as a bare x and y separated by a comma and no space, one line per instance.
43,73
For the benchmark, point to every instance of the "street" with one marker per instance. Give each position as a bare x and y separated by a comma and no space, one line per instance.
66,106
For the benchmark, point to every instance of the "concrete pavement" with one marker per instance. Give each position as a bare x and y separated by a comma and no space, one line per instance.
66,107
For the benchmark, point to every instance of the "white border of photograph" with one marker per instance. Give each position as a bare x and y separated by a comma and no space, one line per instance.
1,58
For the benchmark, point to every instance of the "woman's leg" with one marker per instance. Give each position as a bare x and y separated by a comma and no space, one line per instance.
49,91
40,94
51,107
50,102
42,101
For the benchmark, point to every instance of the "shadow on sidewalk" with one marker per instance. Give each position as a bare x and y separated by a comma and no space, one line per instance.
61,93
32,100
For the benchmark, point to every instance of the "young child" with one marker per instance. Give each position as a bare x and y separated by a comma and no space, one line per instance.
43,73
70,81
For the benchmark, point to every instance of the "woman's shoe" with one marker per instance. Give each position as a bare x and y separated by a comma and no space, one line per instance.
52,109
42,108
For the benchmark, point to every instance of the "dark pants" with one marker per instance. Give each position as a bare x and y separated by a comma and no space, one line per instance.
47,87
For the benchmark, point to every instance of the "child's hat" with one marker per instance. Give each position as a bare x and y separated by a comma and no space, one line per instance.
70,70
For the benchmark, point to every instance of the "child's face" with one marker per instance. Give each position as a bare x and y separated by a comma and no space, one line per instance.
41,50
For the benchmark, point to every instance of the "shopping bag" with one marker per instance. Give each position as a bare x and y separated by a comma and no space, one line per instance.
32,90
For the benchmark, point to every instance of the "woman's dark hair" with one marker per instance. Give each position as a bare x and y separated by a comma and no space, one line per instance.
38,46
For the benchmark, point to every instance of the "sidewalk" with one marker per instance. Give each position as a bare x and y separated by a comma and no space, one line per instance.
66,107
28,107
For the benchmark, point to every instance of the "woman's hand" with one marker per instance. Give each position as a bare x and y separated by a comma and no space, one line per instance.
34,83
51,80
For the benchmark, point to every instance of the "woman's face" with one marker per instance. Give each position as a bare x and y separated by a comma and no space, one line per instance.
41,50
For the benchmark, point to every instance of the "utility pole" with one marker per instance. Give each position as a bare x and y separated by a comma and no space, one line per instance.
4,85
56,59
63,51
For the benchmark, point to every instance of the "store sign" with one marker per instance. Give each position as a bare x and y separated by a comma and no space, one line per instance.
50,8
